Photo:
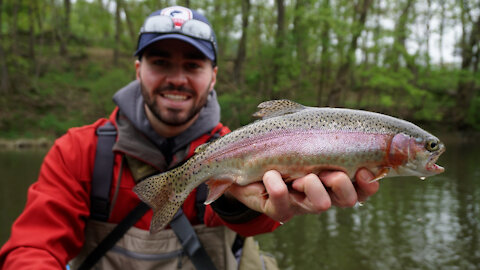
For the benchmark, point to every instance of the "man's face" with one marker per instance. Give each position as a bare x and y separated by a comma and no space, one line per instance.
175,79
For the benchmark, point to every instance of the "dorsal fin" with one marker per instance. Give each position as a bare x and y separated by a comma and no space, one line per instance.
272,108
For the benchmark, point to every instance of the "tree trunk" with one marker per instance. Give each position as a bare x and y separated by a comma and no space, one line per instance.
300,35
241,52
131,29
427,34
325,56
399,45
31,46
343,74
466,84
64,34
117,32
441,31
14,28
279,50
5,80
38,11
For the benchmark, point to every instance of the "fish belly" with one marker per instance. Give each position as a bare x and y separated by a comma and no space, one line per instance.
296,153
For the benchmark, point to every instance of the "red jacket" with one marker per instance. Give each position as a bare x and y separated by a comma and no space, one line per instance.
50,231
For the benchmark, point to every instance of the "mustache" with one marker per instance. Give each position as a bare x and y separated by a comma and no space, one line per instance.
170,87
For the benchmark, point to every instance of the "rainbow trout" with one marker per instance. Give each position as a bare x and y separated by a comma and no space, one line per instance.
295,140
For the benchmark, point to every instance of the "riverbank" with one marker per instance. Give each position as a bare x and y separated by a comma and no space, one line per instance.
20,144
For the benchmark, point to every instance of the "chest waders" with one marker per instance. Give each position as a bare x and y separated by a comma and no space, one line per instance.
100,208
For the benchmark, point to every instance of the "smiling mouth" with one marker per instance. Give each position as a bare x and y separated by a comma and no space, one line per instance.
175,97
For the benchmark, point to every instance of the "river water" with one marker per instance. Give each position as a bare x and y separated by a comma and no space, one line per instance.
408,224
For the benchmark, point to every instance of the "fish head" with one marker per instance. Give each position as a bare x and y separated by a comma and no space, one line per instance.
416,155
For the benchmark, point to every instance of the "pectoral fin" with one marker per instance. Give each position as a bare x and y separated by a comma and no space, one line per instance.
381,174
216,187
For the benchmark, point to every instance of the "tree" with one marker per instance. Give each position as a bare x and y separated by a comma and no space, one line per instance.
14,28
442,30
343,73
5,79
470,46
64,33
238,67
118,30
279,54
128,20
31,35
325,61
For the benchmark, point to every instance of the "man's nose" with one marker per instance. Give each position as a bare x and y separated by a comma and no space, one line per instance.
177,76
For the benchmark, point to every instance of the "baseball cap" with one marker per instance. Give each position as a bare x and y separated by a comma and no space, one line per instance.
181,23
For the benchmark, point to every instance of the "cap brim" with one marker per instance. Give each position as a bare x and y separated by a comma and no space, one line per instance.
202,45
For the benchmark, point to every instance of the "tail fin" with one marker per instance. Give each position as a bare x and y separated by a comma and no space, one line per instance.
165,194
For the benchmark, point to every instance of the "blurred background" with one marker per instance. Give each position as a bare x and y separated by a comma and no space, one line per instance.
62,60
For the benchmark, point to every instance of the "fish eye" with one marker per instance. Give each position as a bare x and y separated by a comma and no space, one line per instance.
432,145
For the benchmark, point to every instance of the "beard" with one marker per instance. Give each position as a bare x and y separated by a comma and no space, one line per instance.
174,117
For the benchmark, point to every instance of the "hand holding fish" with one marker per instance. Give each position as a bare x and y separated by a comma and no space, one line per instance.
310,194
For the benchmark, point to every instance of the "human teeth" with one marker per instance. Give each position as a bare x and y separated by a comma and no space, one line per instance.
175,97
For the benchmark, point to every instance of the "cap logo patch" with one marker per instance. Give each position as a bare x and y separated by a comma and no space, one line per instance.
179,15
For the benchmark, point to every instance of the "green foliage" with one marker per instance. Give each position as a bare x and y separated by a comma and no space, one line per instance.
388,67
102,88
58,123
237,108
99,31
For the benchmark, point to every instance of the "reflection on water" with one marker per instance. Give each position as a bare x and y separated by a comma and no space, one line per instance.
408,224
19,169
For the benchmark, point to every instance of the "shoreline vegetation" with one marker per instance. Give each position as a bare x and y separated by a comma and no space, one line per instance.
24,144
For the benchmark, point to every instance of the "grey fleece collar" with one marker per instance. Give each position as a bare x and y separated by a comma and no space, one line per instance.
130,102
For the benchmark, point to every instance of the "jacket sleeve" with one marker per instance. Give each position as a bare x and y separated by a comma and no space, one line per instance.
248,223
49,232
238,217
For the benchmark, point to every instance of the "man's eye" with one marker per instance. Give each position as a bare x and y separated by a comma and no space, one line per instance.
160,62
193,66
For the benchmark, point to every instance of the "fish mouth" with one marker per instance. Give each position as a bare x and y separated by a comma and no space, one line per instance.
431,165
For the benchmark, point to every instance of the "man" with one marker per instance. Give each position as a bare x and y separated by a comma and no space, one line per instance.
160,118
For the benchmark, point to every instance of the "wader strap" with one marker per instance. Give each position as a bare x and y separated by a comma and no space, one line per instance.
112,238
102,173
200,197
190,242
202,189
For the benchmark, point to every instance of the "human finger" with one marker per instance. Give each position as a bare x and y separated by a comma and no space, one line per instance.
277,206
364,185
341,188
312,197
251,195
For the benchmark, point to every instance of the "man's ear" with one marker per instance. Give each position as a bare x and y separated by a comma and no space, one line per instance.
137,68
214,78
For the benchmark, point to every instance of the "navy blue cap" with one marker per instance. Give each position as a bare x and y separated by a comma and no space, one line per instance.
179,15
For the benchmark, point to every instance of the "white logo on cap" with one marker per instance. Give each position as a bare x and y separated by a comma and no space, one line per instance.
179,15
